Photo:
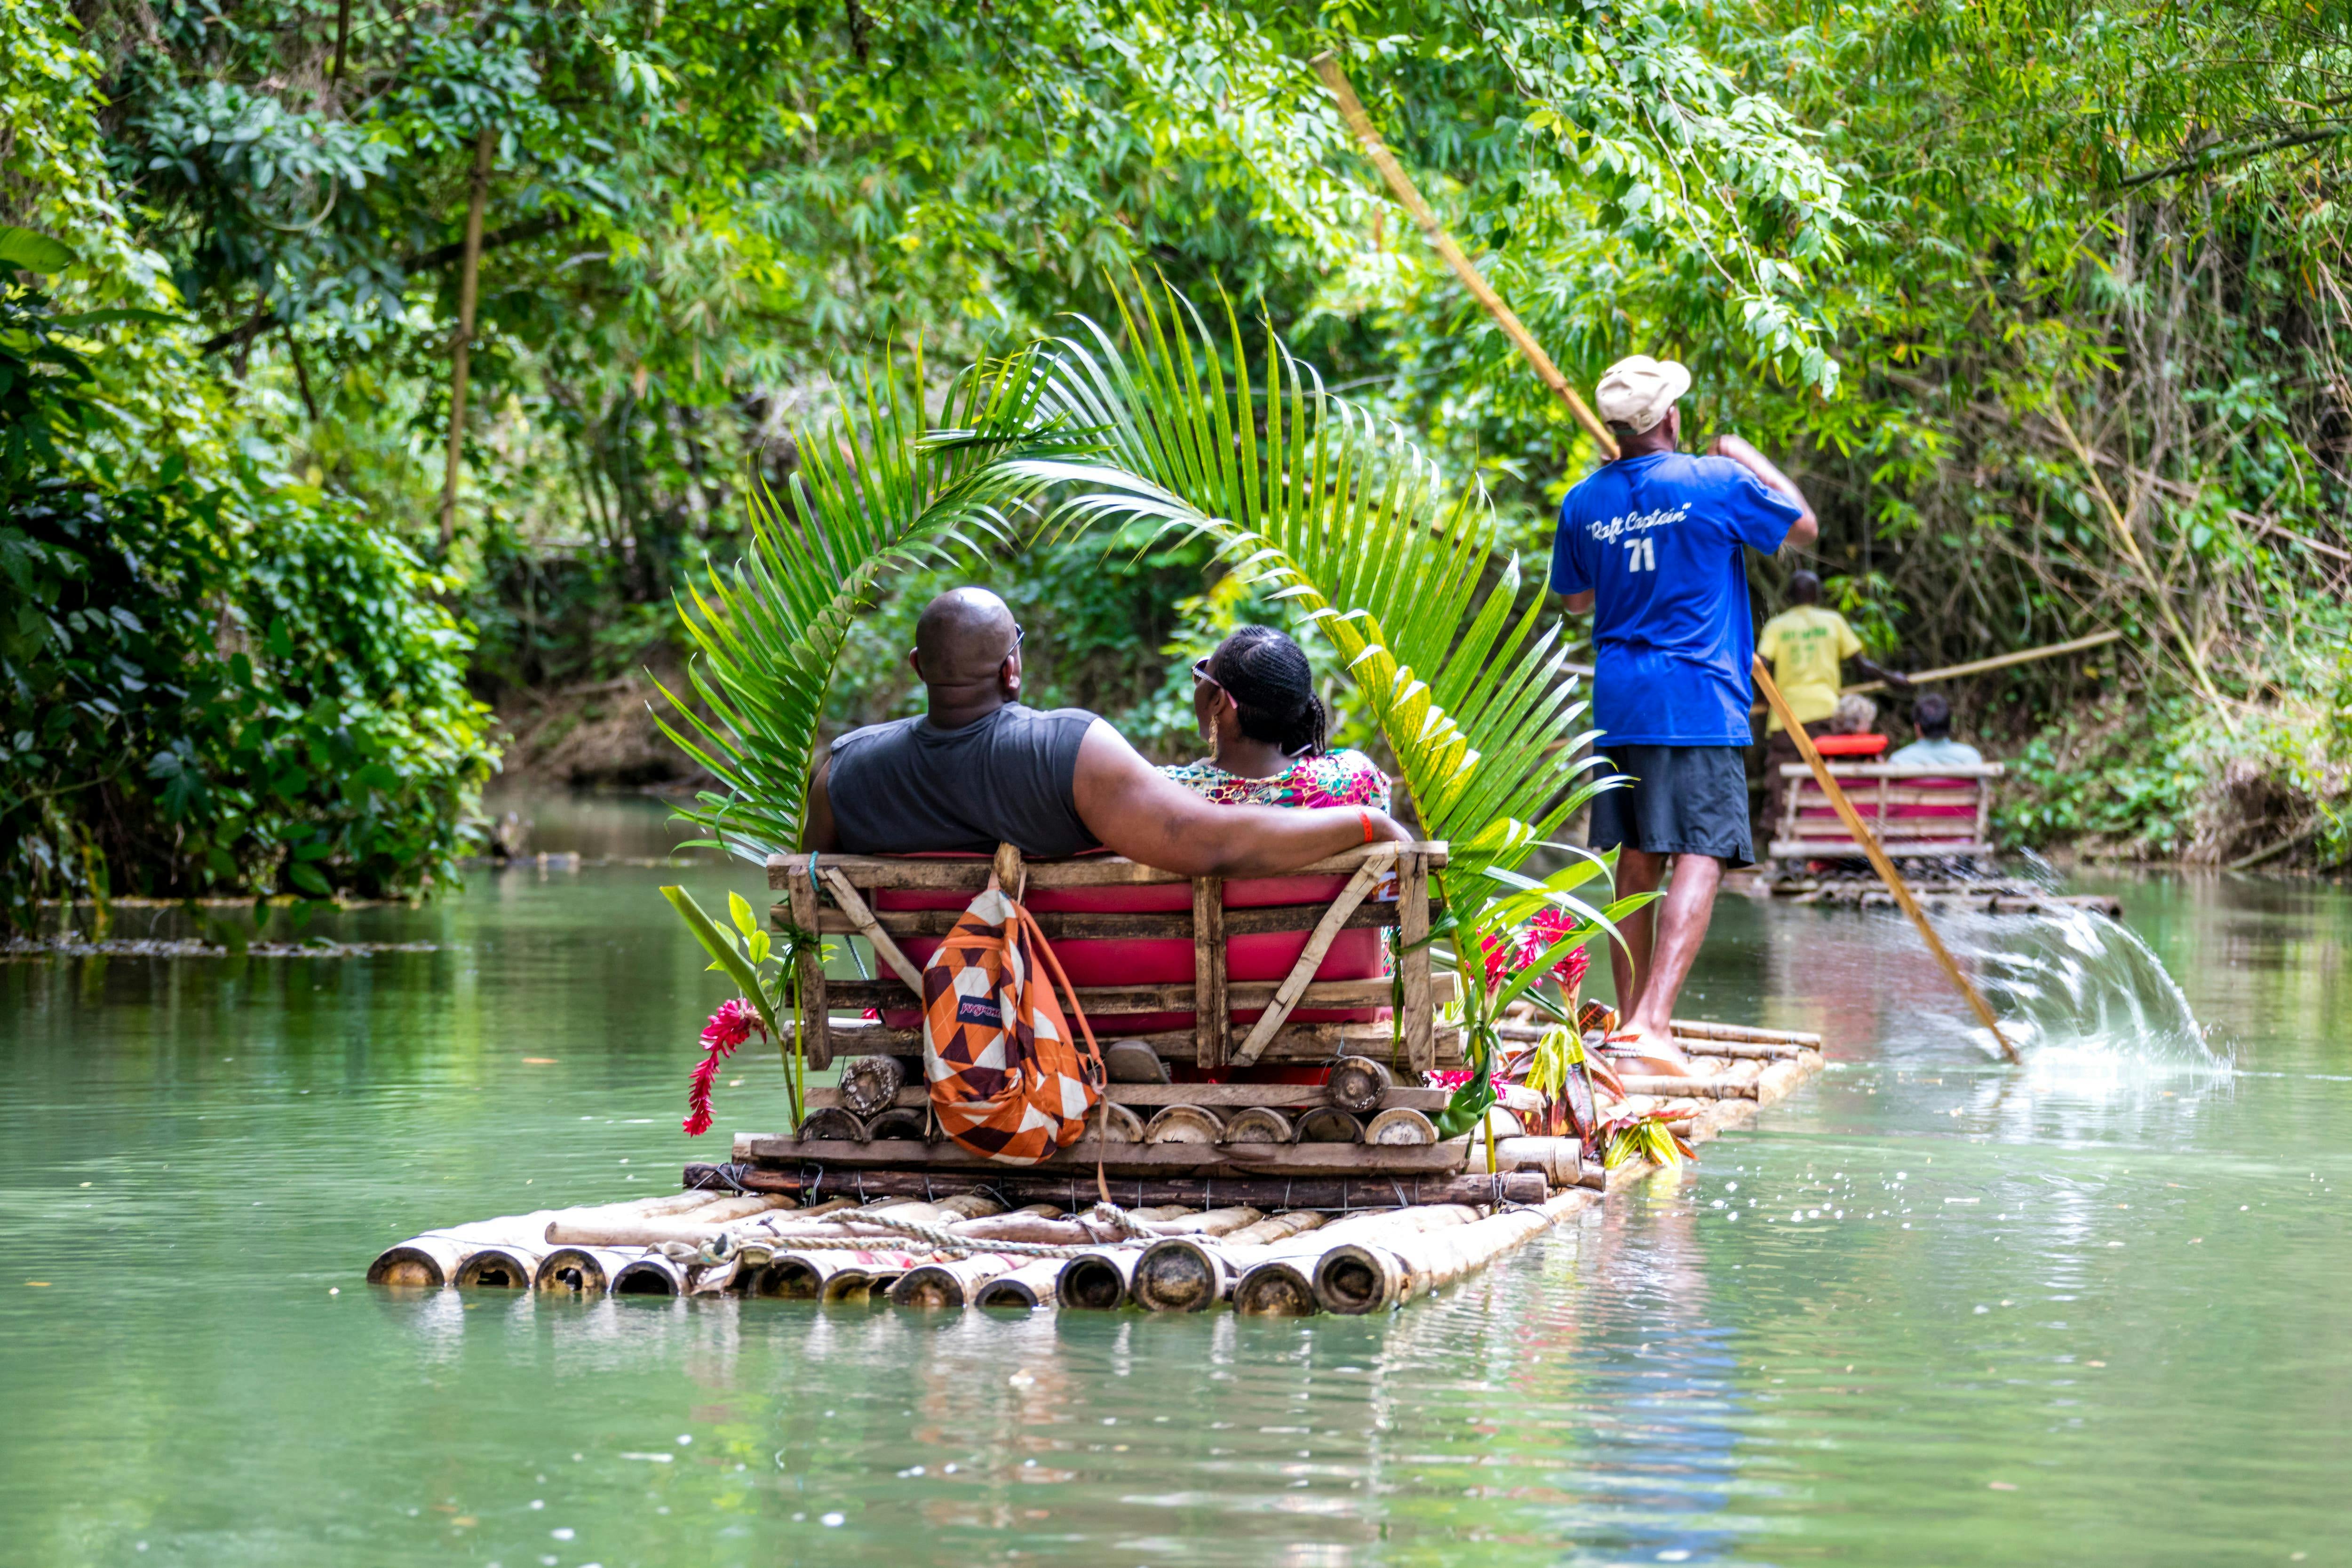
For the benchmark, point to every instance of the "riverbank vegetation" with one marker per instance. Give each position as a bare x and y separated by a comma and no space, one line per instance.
2050,317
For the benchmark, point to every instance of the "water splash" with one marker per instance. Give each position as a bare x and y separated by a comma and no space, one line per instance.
2073,986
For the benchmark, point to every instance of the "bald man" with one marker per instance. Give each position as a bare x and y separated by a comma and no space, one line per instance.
979,769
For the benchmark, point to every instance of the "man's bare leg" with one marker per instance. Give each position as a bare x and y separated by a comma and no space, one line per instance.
1638,871
1688,906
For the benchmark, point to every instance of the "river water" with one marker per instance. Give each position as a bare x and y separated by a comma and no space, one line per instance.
1932,1310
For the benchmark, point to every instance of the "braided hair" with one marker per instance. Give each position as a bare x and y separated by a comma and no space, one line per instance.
1273,689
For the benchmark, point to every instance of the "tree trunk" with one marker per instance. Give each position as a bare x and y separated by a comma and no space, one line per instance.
461,347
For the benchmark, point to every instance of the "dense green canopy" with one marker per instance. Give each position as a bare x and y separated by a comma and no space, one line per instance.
2046,307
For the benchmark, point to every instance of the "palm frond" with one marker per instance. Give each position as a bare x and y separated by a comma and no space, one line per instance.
878,489
1312,496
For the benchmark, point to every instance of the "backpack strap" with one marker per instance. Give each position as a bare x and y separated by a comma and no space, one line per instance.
1028,923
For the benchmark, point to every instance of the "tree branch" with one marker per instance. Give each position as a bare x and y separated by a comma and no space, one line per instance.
2197,162
422,261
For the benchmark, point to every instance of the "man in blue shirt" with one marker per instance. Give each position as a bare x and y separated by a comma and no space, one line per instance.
1654,545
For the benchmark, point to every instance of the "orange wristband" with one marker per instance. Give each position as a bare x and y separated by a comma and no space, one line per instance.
1367,818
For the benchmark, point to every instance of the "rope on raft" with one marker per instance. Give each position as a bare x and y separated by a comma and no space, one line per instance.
948,1241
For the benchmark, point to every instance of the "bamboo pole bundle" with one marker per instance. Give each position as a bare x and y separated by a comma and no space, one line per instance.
746,1222
433,1259
1368,1275
1281,1284
1746,1050
804,1276
1672,1087
951,1282
579,1271
1074,1190
1188,1273
1209,1222
499,1268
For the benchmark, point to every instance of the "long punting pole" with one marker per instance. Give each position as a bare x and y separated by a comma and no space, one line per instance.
1351,109
1878,860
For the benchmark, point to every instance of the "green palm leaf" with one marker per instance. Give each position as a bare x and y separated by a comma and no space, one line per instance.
879,488
1313,497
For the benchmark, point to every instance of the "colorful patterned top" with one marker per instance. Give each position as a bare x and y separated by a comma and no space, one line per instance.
1335,778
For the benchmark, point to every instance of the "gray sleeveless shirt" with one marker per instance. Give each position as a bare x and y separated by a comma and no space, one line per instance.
908,786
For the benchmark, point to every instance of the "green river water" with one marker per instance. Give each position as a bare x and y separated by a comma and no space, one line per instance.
1931,1310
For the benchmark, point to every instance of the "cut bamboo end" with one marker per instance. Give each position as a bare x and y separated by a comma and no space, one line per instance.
1097,1281
1179,1274
1276,1287
498,1269
1359,1083
940,1286
578,1271
424,1262
1259,1124
1399,1127
858,1285
868,1084
652,1275
900,1121
1028,1286
833,1122
1185,1124
1114,1123
1329,1124
1354,1279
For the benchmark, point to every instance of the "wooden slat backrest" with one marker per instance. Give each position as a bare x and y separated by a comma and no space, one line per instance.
1210,925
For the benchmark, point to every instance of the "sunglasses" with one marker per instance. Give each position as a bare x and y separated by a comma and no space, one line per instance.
1200,672
1017,635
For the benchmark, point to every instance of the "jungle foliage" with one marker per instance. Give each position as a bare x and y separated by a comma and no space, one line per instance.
2047,309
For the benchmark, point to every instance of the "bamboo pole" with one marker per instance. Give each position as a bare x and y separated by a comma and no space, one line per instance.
950,1282
1027,1286
1098,1281
461,347
498,1269
1351,109
579,1271
1698,1029
651,1275
2002,661
1368,1276
1878,860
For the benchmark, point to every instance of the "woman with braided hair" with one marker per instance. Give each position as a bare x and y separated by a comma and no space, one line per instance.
1255,698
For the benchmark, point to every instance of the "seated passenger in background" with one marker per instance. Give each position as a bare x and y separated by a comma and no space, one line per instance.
1255,698
1932,717
980,769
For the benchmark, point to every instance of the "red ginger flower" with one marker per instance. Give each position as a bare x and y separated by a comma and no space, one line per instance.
735,1022
1505,959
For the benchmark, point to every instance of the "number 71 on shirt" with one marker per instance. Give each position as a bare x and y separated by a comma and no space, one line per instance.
1641,554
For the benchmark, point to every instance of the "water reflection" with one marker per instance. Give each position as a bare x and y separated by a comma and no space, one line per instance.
2106,1283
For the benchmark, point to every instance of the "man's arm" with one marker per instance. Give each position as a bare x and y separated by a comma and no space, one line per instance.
1138,811
817,831
1578,604
1880,672
1808,527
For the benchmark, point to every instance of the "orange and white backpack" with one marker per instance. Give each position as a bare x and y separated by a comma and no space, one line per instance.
1008,1081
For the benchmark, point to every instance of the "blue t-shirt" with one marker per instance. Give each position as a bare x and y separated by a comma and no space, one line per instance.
1657,539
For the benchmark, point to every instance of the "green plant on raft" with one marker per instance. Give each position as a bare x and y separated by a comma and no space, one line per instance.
745,955
1644,1137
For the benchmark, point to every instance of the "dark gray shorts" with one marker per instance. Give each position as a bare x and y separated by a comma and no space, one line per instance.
1683,800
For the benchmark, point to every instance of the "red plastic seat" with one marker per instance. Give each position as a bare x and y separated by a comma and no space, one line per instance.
1148,961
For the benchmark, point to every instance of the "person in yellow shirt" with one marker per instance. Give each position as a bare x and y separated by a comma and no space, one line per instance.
1808,645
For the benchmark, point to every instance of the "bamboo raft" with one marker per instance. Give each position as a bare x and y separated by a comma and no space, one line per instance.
1984,896
1264,1140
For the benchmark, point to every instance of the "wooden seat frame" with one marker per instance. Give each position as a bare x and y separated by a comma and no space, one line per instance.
837,901
1883,785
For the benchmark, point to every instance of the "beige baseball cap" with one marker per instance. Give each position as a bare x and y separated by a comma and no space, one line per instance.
1637,390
